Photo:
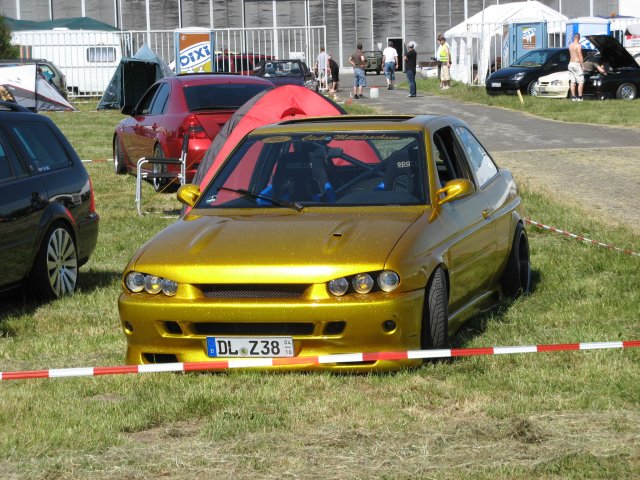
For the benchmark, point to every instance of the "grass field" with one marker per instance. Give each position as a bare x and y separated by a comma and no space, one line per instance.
551,416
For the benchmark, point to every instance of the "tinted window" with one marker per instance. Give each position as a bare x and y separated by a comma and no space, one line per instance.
145,103
479,159
219,96
160,101
535,58
450,158
9,166
5,167
41,146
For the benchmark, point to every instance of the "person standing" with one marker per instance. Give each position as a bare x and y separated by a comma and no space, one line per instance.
322,64
335,75
410,67
359,79
576,68
390,62
444,58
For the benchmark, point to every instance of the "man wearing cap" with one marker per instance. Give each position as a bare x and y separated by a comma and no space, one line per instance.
410,67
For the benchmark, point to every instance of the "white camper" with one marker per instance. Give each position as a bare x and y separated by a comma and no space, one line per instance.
88,58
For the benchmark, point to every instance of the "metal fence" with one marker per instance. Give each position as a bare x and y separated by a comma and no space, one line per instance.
89,59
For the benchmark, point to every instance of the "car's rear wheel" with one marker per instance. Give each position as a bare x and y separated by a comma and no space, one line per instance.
118,157
55,270
435,323
626,91
167,185
516,279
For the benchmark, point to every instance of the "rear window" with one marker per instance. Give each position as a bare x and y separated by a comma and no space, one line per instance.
41,146
219,96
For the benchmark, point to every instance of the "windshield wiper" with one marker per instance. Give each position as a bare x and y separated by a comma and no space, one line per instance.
275,201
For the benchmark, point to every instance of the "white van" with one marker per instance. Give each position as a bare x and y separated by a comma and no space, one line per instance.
88,58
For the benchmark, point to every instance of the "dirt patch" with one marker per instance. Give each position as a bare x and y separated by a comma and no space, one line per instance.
605,182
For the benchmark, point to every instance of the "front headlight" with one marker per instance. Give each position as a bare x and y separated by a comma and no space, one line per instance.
555,83
136,282
366,282
518,76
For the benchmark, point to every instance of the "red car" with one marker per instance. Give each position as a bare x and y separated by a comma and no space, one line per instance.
197,104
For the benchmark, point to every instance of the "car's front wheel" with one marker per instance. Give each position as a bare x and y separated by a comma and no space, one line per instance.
118,157
55,270
626,91
531,88
435,324
516,279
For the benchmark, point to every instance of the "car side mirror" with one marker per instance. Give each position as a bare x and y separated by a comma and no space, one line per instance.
455,189
189,194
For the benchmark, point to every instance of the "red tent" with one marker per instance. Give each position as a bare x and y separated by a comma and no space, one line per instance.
269,106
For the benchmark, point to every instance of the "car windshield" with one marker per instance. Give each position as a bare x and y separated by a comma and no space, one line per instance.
321,169
533,59
220,96
282,69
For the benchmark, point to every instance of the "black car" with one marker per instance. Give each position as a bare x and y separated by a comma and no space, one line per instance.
524,72
287,72
623,76
48,221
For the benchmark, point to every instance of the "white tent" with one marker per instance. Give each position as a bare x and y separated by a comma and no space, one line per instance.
476,40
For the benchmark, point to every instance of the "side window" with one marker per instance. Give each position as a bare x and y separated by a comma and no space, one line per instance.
6,171
160,101
479,159
145,104
562,58
450,162
41,146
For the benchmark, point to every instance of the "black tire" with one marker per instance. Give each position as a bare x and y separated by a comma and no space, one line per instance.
516,279
55,270
118,157
158,183
626,91
435,321
530,90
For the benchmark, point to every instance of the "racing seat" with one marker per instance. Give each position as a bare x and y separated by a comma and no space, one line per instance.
301,177
401,173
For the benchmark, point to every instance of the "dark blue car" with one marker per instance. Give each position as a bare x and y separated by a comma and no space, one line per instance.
287,72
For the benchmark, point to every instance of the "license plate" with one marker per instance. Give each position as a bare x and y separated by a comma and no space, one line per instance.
542,89
496,84
250,347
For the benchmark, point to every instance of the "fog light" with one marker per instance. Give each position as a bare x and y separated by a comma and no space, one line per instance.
152,284
362,283
128,327
388,325
134,281
339,286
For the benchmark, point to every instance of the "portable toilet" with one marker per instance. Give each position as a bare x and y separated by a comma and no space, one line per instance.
587,26
521,38
194,50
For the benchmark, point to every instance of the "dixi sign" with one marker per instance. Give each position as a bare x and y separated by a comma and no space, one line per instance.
195,57
194,51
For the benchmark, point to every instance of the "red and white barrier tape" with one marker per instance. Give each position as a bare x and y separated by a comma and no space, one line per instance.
318,360
581,238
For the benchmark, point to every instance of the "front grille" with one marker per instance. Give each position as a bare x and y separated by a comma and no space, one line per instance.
257,329
252,291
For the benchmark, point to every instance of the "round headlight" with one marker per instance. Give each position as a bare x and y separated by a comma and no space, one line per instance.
339,286
152,284
134,281
388,281
362,283
169,287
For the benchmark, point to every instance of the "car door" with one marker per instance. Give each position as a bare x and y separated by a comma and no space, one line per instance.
472,243
23,199
132,139
151,124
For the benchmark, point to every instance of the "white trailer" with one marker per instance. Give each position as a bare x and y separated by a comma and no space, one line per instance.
88,58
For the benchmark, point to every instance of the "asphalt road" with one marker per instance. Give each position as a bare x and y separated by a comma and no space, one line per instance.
497,128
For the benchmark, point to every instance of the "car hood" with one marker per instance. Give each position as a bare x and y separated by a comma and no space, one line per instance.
507,72
564,75
289,247
612,51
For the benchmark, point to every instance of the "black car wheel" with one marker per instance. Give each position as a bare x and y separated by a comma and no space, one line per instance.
516,279
435,325
165,185
55,270
531,89
118,157
626,91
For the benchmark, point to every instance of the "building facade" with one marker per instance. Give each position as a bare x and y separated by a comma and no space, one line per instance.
371,22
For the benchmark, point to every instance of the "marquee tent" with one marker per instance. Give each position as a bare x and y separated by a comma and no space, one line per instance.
23,85
476,40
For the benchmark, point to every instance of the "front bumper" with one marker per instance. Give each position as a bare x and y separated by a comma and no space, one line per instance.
501,87
171,329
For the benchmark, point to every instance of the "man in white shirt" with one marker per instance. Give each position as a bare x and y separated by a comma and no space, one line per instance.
390,62
322,64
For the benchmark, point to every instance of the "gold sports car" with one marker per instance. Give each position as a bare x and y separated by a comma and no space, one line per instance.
330,235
